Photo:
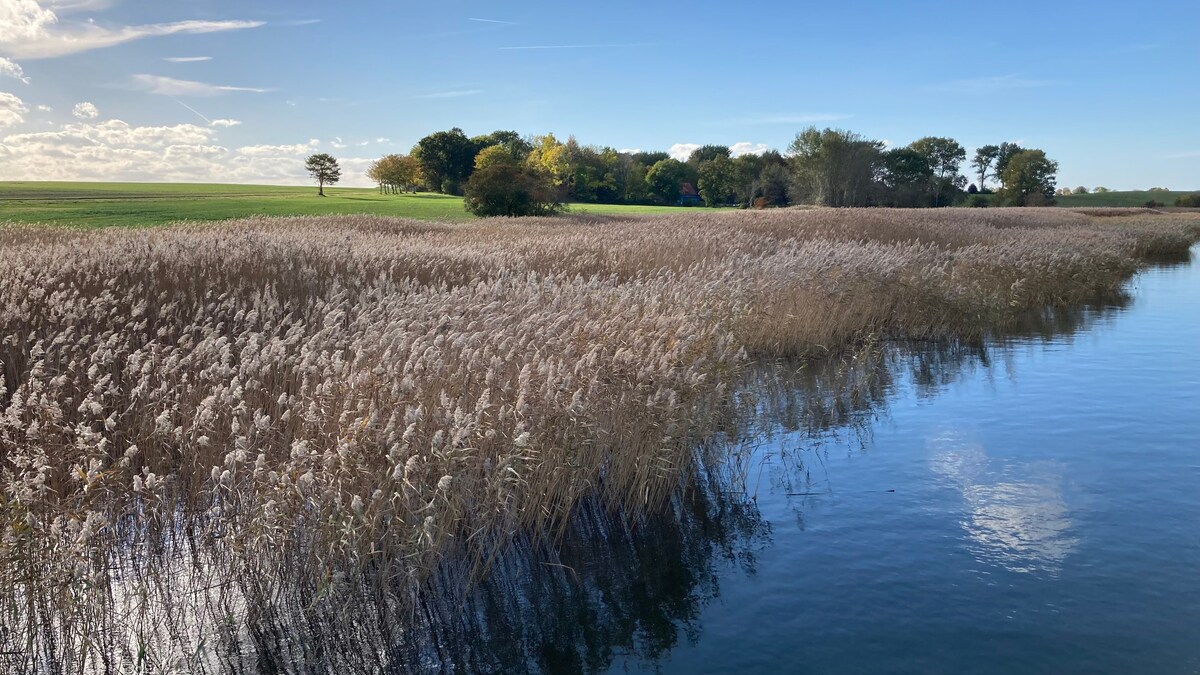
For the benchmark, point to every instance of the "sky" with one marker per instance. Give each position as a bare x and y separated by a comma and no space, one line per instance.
221,91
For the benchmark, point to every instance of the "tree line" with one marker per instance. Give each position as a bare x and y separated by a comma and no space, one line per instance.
829,167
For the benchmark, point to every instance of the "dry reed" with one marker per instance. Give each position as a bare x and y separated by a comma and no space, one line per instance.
359,405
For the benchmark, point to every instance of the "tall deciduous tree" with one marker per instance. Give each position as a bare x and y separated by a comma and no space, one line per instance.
664,179
834,167
324,169
549,155
495,154
982,162
718,180
707,153
945,156
447,159
1004,153
906,175
1029,179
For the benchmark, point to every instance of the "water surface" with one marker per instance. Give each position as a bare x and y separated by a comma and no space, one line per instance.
1035,508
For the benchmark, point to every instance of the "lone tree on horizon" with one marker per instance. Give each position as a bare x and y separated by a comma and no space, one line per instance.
324,168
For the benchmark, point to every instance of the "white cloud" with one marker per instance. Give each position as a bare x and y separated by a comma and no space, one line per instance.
45,108
363,144
114,150
85,111
747,148
629,151
169,86
383,140
187,59
12,69
68,6
337,143
225,123
276,150
681,151
12,110
30,30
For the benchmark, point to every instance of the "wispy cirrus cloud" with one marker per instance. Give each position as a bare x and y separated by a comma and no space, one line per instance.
187,59
457,93
784,118
494,21
1183,155
169,86
31,29
613,45
985,85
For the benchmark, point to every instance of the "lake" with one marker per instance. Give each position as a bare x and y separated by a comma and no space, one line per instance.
1033,507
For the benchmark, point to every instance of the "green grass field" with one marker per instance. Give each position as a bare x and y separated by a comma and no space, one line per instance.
1132,198
141,204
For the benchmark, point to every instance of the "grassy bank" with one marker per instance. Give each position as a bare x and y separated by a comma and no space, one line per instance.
359,405
141,204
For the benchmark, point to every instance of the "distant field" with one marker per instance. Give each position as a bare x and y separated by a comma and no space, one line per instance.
141,204
1133,198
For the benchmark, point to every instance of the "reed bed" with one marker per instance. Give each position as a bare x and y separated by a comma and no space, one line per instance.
367,407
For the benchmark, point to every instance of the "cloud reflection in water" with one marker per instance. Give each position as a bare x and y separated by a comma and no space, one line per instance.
1021,523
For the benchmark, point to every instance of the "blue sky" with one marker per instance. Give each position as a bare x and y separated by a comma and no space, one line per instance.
1105,89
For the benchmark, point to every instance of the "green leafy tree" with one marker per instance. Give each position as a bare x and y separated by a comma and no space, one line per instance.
747,170
1029,179
984,158
834,167
1188,201
324,169
906,175
718,180
512,190
771,188
1004,154
664,179
707,153
649,159
447,159
945,156
512,141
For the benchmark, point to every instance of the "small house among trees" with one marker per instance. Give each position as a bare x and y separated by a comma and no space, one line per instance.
688,195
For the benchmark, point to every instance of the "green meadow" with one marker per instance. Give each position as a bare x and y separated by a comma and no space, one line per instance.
1130,198
141,204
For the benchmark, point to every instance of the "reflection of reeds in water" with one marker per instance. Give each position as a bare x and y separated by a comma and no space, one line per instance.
309,412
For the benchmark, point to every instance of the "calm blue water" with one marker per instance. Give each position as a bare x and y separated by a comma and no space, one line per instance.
1045,517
